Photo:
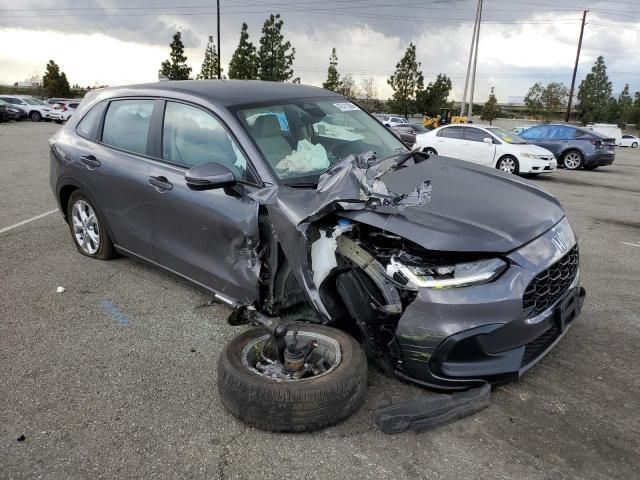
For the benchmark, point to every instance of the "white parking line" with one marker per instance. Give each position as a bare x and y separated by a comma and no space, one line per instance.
624,243
11,227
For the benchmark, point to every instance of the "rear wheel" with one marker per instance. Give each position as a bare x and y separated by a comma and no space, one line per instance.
263,393
508,164
572,160
634,145
87,228
430,151
35,116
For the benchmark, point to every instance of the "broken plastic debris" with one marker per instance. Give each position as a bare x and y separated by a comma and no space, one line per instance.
431,410
61,289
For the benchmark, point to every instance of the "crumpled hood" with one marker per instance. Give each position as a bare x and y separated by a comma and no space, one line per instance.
472,208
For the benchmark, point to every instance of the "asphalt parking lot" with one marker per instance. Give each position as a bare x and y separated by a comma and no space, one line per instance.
116,377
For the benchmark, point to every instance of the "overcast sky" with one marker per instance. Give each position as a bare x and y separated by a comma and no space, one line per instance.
116,42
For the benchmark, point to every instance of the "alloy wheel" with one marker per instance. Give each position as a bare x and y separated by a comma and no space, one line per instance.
508,165
86,229
572,160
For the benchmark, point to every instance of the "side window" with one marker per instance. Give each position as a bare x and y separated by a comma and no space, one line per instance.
451,132
534,133
560,132
126,125
191,136
87,126
475,134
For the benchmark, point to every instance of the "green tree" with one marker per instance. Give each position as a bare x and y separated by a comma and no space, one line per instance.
55,82
625,107
176,68
594,94
209,68
406,82
333,77
490,110
244,62
433,98
276,55
545,103
634,116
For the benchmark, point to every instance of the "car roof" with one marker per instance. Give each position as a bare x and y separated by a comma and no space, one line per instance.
230,92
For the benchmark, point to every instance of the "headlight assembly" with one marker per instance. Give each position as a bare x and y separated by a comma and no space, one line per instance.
450,276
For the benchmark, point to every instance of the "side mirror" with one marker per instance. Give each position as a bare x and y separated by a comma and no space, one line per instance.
487,140
208,176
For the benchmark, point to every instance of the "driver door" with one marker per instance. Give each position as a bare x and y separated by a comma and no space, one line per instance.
474,149
208,236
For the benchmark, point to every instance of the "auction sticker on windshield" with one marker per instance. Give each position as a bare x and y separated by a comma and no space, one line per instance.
346,107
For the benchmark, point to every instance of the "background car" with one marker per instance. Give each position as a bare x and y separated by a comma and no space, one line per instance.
53,101
629,141
408,131
388,121
36,109
489,146
573,147
609,130
62,111
11,112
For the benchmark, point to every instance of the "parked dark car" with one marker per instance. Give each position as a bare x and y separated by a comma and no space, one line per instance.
407,132
247,190
11,112
573,147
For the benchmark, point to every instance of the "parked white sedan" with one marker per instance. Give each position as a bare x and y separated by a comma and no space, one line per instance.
629,141
490,146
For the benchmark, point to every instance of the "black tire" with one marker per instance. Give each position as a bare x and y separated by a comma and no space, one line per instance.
293,406
430,151
105,248
35,116
512,161
575,158
634,145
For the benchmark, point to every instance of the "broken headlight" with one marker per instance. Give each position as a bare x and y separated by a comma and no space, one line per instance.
413,275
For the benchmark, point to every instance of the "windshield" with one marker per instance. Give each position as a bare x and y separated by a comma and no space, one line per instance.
31,101
505,136
302,138
419,128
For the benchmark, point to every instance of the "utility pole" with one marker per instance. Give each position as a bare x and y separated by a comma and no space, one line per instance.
475,61
575,68
473,41
219,73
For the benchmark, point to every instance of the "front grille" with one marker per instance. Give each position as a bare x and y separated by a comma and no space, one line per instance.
534,348
549,285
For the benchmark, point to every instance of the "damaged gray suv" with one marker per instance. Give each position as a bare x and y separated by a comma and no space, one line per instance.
316,224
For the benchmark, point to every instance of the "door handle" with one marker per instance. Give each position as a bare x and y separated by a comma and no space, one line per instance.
90,161
161,183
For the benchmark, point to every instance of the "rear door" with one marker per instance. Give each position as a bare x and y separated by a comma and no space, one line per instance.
208,236
474,149
117,170
448,141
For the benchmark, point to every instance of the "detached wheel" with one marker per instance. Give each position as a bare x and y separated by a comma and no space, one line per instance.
572,160
263,395
87,228
508,164
35,116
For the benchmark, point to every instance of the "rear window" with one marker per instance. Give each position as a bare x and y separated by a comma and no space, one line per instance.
89,123
451,132
126,125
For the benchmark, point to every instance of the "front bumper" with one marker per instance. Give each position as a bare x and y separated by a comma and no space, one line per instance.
455,339
530,165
